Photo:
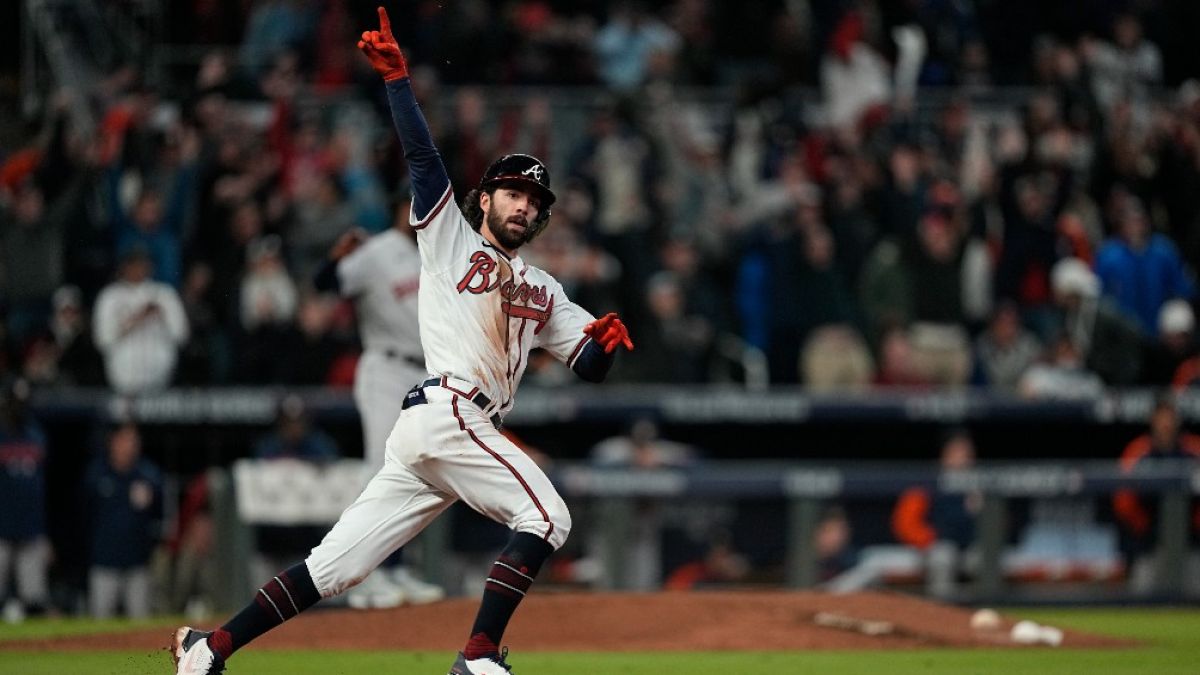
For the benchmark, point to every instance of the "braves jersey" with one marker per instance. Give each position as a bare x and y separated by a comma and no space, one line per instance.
382,276
483,311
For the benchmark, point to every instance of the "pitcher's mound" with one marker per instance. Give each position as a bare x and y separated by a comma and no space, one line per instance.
636,622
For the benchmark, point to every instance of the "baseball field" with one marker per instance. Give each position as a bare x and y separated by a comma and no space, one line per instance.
696,634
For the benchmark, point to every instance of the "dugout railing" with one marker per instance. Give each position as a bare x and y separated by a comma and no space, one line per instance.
189,431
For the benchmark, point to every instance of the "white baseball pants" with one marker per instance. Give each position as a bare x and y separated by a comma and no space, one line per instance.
438,452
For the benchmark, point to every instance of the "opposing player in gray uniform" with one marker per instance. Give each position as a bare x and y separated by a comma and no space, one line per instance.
381,275
482,309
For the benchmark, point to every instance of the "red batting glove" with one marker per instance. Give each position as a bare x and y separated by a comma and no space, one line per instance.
382,51
609,332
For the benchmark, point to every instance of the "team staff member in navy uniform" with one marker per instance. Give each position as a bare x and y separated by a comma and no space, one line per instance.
23,544
124,500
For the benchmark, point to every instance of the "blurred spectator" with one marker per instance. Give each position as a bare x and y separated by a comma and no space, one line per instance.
951,28
788,286
836,358
1140,269
275,26
721,564
676,347
1174,346
834,545
294,437
24,549
1108,342
312,351
1128,66
321,215
1060,374
854,77
31,252
903,194
1165,444
942,524
268,310
155,222
619,160
897,367
628,42
64,353
951,275
228,261
1006,349
205,357
885,290
1031,200
124,500
139,325
268,293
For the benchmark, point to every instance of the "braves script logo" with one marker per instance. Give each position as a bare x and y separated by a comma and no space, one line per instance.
481,278
535,171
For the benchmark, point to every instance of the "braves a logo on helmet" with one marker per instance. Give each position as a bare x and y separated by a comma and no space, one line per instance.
535,171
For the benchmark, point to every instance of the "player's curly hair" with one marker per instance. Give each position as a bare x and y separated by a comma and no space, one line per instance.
471,210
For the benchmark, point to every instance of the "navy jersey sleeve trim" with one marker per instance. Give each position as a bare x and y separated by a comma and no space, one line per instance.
590,361
429,178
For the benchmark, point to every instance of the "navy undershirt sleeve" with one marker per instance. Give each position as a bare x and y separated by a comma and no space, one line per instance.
425,168
593,364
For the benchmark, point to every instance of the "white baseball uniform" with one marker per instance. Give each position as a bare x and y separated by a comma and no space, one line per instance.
481,312
382,277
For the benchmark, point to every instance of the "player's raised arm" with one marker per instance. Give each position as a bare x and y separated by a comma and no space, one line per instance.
429,178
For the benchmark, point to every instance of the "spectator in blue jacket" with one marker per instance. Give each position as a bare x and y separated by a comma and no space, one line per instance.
1140,269
155,221
124,498
24,548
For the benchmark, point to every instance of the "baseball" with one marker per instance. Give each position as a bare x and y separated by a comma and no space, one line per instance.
1026,633
1050,635
985,619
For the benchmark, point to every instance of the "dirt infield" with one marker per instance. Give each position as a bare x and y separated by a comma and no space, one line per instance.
631,622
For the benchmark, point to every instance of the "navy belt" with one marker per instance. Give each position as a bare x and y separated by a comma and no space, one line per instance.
416,396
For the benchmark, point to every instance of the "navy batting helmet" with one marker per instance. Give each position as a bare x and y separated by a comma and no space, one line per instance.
525,169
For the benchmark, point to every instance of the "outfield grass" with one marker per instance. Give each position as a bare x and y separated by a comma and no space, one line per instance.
1172,648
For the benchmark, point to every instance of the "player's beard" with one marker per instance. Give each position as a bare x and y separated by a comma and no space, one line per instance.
499,228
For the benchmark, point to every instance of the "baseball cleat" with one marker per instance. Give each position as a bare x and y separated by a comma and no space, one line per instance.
189,648
494,665
376,592
416,590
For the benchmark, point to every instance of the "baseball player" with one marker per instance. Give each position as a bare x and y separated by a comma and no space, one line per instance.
481,310
382,274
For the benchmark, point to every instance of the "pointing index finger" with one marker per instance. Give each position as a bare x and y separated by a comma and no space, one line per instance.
385,25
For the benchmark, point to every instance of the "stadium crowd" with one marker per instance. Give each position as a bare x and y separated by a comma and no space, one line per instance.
1044,244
